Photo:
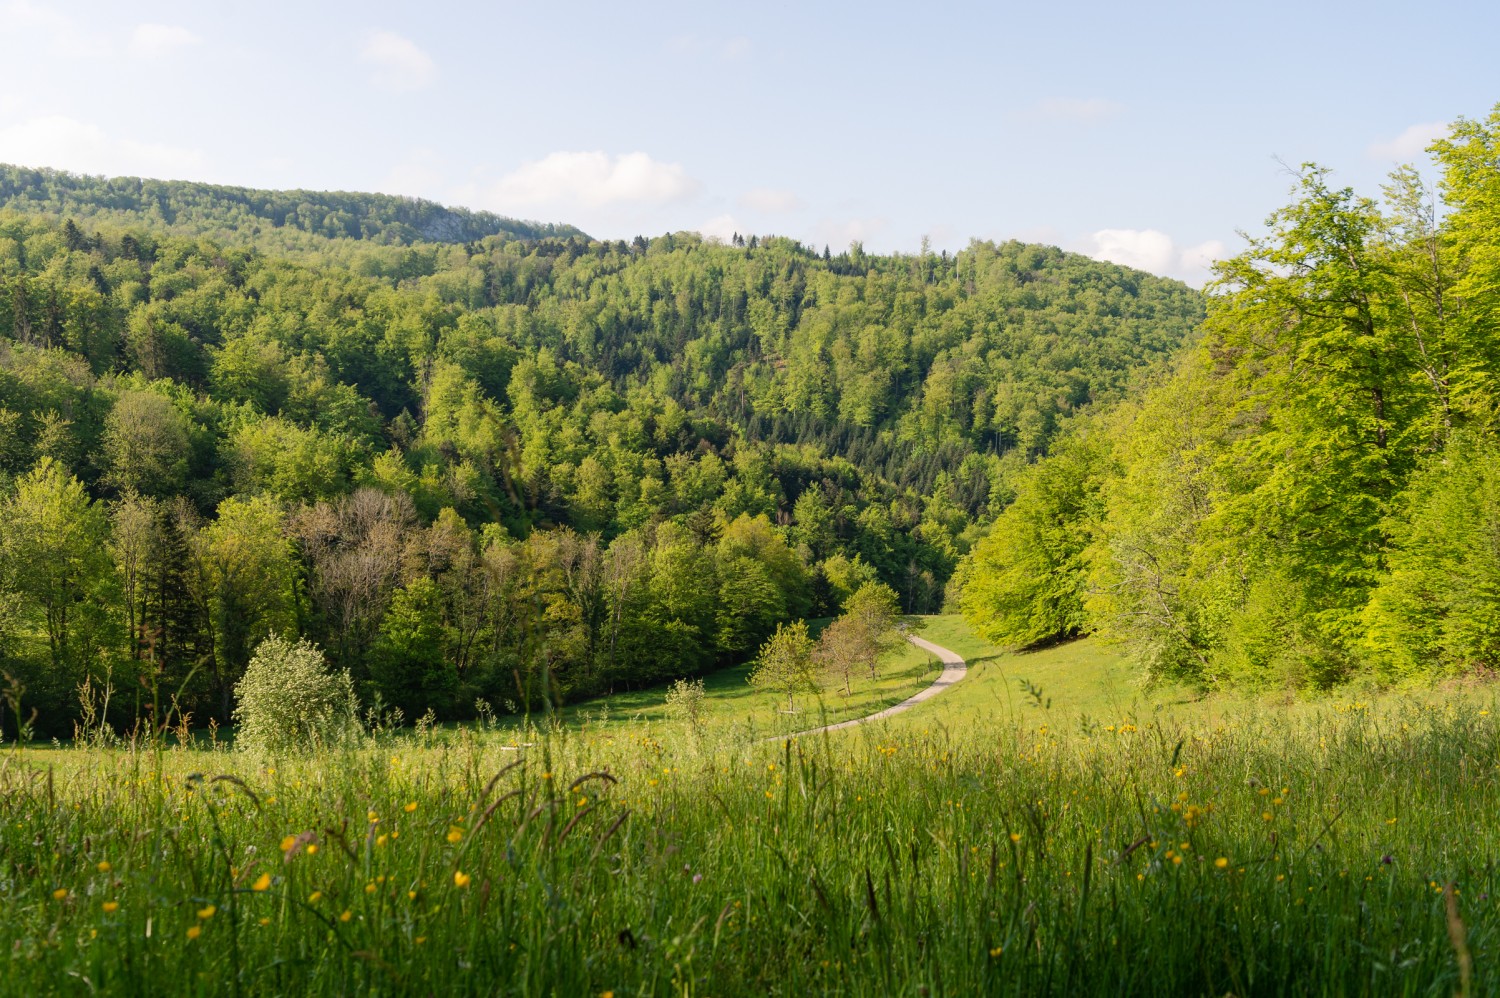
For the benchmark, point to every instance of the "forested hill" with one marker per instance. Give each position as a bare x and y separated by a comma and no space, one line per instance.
197,208
1313,495
509,467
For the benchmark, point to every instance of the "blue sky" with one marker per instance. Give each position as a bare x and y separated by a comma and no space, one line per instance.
1148,134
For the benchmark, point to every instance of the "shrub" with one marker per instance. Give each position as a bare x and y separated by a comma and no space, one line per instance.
685,701
288,699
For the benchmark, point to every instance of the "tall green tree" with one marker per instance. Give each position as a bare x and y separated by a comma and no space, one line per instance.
53,546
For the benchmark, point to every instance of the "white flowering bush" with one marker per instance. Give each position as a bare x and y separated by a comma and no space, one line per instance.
288,699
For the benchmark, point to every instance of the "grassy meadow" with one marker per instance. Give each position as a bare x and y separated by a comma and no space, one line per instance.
1071,836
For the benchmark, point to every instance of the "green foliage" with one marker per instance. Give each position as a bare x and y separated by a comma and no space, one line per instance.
1025,583
1438,608
860,634
611,463
785,663
1307,498
53,556
685,702
287,701
244,578
195,207
411,668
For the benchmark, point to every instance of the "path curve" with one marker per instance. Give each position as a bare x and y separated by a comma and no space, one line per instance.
954,669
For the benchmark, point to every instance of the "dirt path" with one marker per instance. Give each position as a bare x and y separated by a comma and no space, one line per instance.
954,669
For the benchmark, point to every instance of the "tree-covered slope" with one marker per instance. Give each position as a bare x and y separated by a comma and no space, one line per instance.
1313,494
190,207
512,468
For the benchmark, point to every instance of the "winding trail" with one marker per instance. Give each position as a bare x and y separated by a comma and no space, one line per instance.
954,669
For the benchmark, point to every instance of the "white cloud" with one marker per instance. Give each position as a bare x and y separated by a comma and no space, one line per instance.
1410,143
720,227
839,233
20,14
1201,258
1074,109
419,173
1155,252
400,65
57,34
69,144
593,180
736,49
153,41
769,200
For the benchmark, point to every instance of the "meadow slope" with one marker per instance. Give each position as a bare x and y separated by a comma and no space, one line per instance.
983,842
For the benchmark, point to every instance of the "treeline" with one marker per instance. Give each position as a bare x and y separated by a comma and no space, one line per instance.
214,209
169,606
864,415
1313,495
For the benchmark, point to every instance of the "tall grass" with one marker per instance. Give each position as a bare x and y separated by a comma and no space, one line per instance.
1341,851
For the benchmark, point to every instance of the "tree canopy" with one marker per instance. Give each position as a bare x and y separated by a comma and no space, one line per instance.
1308,496
476,459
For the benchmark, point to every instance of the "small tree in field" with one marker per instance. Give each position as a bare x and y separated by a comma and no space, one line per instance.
841,649
873,611
685,700
288,699
785,663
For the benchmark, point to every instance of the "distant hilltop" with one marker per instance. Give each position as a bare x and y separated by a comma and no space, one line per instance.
213,208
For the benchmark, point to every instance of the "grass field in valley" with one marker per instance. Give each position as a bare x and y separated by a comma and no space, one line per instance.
1083,838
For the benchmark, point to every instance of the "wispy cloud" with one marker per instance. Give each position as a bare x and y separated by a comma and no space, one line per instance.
838,233
769,200
399,64
69,144
1087,110
42,26
594,180
724,49
155,41
1409,144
